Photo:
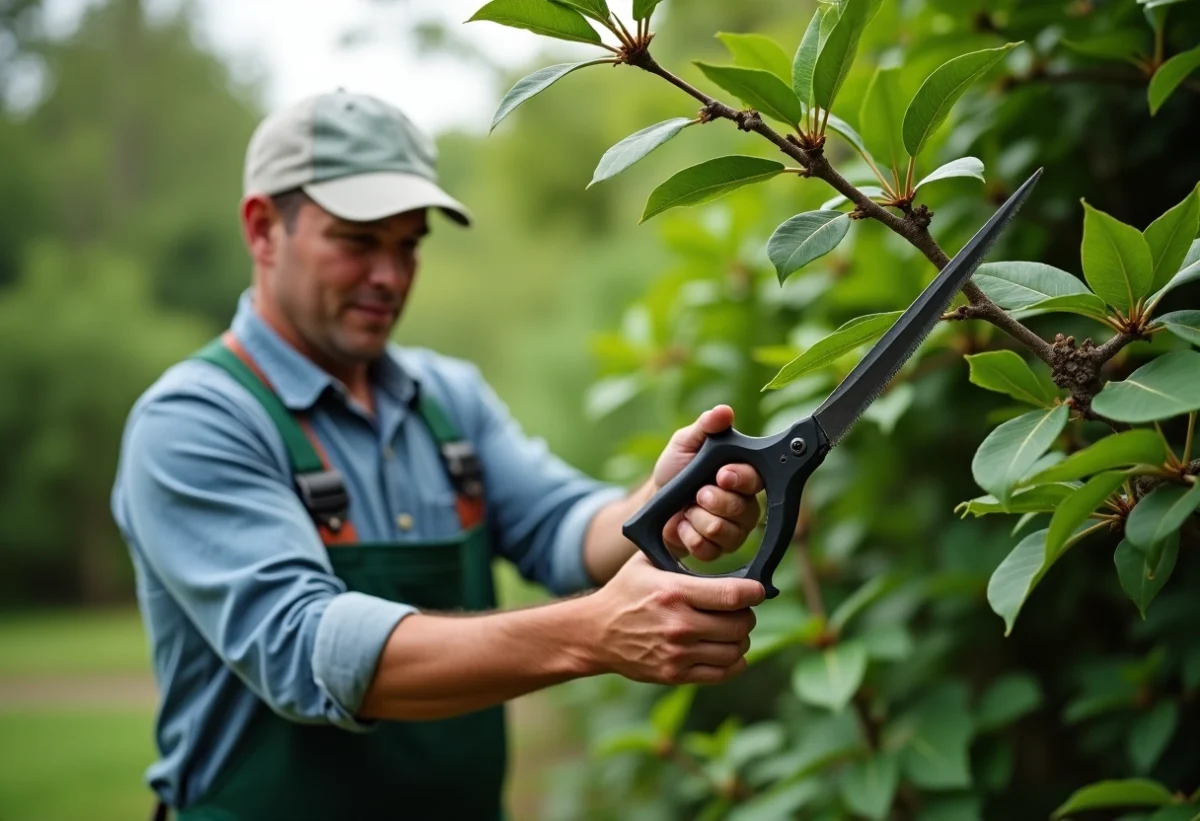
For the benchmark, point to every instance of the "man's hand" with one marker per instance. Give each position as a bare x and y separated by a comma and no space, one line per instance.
724,513
669,628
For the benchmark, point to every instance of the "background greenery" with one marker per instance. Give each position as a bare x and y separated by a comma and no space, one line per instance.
119,254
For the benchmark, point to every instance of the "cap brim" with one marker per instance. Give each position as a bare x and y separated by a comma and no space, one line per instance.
373,196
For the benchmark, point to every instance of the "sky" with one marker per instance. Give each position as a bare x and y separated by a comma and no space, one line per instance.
298,46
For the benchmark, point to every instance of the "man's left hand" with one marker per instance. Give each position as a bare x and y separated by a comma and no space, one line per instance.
723,514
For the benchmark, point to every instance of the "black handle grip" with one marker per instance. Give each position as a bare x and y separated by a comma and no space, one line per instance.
784,461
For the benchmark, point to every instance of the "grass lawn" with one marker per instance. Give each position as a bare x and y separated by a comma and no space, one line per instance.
71,642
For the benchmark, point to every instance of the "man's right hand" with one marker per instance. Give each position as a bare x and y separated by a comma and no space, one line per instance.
668,628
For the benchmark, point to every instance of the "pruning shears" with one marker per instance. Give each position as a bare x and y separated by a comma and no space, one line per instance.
786,459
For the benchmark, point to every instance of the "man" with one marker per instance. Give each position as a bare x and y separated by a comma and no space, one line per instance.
311,511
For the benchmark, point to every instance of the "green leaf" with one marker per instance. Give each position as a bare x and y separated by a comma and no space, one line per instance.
840,49
941,90
881,116
962,167
1010,450
1188,273
595,9
1151,735
778,802
1178,812
1006,372
1088,305
1040,499
805,237
936,756
636,740
957,808
1122,44
869,786
1169,75
1132,447
1076,509
872,191
854,333
1015,578
1170,236
758,89
831,678
541,17
844,129
870,592
635,147
1116,259
889,642
1133,792
757,51
1184,324
642,9
670,711
1016,285
708,181
534,84
1007,700
1162,388
1138,579
1160,513
806,57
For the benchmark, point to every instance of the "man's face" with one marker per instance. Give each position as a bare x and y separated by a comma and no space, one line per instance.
340,285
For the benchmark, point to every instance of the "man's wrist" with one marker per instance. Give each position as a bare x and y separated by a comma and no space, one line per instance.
580,629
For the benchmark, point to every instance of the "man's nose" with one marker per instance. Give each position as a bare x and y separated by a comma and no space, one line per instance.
390,271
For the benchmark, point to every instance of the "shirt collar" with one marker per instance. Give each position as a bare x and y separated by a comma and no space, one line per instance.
296,379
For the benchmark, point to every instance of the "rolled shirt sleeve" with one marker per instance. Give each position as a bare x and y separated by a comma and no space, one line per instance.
213,514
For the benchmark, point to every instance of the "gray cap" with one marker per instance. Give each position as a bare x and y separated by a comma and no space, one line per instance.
356,156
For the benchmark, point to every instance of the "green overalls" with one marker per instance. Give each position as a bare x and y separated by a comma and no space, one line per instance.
445,769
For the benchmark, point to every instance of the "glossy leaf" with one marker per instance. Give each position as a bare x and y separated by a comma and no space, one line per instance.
642,9
1040,499
636,146
757,51
1160,513
806,57
831,678
1015,578
1006,372
1016,285
869,786
853,334
880,117
805,237
840,48
758,89
1184,324
1076,508
962,167
1141,581
1190,272
1116,259
1164,387
534,84
844,129
1009,451
541,17
1007,700
1088,305
708,181
1131,447
1134,792
1169,75
941,90
1170,236
595,9
872,191
670,712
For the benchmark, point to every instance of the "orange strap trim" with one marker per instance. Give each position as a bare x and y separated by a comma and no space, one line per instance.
346,534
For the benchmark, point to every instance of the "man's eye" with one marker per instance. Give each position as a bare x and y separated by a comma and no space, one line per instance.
359,240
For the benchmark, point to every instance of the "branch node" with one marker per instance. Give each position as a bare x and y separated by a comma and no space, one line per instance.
920,216
748,120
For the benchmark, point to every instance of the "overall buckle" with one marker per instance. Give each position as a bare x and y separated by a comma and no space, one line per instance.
324,496
462,463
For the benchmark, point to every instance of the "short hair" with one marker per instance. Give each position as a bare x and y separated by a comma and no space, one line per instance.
288,204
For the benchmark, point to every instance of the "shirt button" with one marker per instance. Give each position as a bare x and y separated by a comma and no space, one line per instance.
404,521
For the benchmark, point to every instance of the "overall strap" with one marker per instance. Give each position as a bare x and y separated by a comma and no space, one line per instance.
459,457
320,487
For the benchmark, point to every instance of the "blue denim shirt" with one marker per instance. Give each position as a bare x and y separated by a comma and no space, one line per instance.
234,584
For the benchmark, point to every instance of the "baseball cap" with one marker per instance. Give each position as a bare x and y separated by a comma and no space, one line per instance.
355,155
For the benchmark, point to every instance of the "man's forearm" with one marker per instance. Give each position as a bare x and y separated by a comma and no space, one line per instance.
436,666
605,549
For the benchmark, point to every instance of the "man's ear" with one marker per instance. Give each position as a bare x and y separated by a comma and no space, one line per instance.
262,225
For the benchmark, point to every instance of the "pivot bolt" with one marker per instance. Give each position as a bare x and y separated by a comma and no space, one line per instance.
798,446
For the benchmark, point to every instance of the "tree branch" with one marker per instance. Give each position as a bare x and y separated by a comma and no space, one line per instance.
913,226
